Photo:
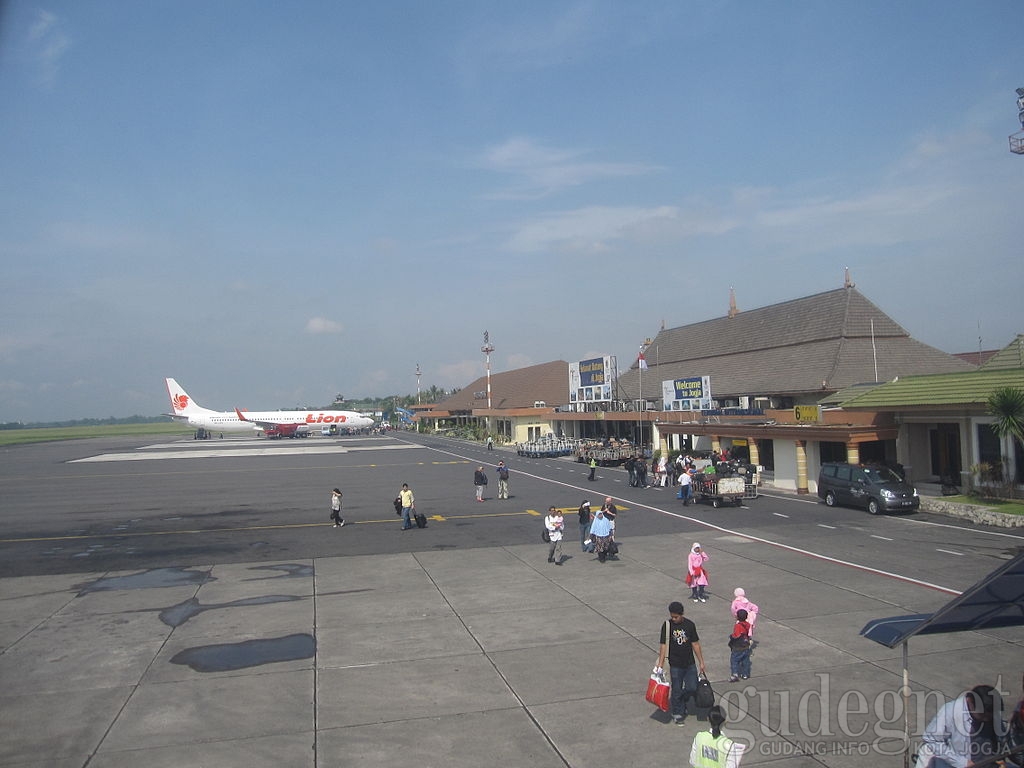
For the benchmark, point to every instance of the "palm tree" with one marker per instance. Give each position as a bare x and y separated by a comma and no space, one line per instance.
1007,406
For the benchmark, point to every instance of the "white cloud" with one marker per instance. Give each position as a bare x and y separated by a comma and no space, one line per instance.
48,44
538,171
323,325
588,230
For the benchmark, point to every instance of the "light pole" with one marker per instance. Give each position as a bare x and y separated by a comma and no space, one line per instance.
418,384
487,348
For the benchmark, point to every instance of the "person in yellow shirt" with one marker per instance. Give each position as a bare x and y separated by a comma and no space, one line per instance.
713,749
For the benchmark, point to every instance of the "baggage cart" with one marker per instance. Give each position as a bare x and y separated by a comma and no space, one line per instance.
721,489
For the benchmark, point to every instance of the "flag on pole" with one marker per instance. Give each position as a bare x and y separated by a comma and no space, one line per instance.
641,362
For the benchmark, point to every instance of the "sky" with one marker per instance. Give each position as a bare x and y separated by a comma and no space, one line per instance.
275,203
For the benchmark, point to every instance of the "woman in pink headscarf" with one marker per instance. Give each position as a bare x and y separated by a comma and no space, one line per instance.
696,575
740,601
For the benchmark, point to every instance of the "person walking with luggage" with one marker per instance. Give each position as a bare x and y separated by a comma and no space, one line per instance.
680,647
555,524
502,480
585,516
408,506
336,508
711,748
479,480
696,575
739,648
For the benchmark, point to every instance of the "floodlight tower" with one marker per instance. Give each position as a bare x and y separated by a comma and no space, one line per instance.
418,384
1017,139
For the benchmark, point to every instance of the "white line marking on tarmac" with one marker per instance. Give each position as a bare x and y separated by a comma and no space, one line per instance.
949,552
779,514
234,452
883,538
830,527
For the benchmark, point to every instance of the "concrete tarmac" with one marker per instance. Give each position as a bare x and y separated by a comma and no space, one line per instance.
462,657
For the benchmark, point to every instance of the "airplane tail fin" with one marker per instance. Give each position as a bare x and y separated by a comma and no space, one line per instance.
181,404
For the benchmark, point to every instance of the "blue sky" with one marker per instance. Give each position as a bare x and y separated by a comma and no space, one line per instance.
277,202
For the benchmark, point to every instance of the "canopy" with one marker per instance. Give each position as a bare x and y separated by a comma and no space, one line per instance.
995,601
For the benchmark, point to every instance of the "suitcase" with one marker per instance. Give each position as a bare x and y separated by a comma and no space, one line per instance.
421,520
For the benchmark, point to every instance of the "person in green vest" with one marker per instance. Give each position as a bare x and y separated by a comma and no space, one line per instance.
593,468
713,749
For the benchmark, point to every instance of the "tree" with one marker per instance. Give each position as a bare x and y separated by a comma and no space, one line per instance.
1006,404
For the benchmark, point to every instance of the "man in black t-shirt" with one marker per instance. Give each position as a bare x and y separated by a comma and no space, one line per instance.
681,648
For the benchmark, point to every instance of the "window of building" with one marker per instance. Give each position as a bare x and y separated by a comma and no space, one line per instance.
989,450
831,451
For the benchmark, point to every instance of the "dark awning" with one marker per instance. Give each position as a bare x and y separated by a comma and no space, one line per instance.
995,601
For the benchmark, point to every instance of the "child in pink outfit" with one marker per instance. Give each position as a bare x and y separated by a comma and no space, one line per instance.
740,601
696,573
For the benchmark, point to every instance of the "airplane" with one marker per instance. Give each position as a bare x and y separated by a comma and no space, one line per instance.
271,423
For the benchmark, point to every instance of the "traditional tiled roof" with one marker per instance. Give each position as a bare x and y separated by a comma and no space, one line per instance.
970,388
967,388
1010,356
815,344
521,388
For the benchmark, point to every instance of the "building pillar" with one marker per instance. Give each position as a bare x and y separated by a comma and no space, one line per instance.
755,455
852,453
716,443
801,467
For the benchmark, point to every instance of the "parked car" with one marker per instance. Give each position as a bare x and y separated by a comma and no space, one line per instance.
876,488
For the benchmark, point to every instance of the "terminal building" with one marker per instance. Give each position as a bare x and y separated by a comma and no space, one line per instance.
786,387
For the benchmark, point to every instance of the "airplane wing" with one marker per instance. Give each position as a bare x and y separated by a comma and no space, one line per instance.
285,430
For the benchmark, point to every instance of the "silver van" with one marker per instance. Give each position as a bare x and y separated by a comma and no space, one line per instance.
875,488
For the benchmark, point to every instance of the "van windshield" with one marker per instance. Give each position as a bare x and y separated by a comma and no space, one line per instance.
881,475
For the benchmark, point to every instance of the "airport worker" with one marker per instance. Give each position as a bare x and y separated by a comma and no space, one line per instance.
593,469
711,748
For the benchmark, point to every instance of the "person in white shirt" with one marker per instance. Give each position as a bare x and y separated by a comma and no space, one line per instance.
555,524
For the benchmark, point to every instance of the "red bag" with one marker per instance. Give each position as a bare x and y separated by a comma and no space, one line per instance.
658,691
689,579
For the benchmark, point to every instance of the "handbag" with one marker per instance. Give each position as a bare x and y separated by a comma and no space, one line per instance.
704,698
689,579
658,690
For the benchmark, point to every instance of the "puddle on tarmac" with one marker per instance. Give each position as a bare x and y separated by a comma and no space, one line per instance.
248,653
157,578
289,571
178,614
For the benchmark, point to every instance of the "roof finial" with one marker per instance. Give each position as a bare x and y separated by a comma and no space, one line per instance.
732,303
848,283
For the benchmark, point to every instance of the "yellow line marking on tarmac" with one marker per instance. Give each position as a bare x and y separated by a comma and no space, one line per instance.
197,531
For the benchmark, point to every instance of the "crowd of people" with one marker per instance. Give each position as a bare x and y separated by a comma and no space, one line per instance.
965,731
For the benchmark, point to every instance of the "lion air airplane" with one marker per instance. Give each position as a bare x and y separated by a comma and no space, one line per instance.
272,423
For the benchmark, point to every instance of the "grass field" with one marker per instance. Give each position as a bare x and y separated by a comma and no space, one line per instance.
47,434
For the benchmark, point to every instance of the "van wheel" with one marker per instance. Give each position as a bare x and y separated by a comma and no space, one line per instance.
715,503
830,499
873,507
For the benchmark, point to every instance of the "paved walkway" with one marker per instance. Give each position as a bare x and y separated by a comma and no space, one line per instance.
458,658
